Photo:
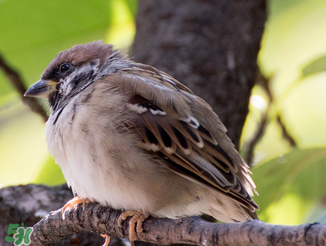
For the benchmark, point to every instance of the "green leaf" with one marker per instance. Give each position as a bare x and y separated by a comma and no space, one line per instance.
316,66
290,185
50,173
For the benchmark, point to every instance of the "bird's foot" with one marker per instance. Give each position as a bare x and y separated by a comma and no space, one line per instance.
137,217
76,200
107,239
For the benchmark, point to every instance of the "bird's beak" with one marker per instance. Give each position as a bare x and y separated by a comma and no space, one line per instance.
41,88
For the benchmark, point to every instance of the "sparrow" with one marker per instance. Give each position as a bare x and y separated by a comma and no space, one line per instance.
132,137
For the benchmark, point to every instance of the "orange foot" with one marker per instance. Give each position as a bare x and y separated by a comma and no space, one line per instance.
76,200
137,217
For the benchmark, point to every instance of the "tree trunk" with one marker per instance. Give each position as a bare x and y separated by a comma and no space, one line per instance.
210,46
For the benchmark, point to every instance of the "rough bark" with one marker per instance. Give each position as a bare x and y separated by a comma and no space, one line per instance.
195,231
32,202
210,46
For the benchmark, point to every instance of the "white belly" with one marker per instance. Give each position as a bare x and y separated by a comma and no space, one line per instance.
89,164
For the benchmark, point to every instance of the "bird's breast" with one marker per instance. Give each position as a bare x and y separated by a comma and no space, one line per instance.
98,162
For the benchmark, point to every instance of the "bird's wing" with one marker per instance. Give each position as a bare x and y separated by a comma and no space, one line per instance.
183,129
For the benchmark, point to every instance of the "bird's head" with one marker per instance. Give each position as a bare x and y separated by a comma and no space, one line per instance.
73,70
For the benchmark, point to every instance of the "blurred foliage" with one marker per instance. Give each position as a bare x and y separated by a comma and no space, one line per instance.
316,66
288,191
291,186
290,181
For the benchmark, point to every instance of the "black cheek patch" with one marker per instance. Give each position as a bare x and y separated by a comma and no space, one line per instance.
81,78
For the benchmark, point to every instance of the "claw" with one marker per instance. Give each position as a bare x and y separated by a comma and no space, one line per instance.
76,200
137,217
107,239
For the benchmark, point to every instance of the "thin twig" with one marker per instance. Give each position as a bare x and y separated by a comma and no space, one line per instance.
16,80
262,125
286,135
256,137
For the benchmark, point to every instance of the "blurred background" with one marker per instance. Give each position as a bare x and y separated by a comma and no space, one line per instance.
285,128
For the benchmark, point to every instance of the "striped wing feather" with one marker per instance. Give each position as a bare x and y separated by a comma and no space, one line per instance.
182,129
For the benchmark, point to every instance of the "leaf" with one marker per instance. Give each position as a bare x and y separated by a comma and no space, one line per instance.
317,65
290,185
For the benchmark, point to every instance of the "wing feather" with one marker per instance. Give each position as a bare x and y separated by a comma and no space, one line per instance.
183,129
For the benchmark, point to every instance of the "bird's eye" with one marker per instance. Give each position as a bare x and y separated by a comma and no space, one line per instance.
64,68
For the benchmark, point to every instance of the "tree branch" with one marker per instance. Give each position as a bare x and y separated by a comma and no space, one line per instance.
256,137
264,82
27,203
285,133
16,80
103,220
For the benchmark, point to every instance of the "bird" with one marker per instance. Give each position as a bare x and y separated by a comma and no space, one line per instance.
132,137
